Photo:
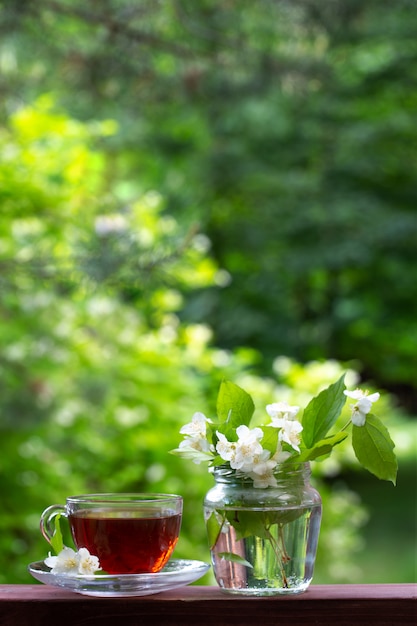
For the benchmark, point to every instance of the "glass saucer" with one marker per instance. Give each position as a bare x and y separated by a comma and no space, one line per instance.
177,573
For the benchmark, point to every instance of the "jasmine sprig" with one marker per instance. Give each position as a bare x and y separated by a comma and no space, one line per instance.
229,439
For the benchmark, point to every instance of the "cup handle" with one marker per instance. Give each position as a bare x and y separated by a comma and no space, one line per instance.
47,524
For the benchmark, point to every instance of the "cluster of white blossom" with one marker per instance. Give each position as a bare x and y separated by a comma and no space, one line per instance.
246,454
71,563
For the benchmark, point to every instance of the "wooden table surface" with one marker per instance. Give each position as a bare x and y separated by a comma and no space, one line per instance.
338,605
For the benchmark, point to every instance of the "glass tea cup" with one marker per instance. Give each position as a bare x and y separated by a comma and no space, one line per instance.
130,533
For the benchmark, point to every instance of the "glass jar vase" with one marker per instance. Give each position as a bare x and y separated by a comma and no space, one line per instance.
263,541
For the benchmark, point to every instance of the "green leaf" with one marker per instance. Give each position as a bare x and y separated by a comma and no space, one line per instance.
322,412
248,523
270,439
374,448
258,523
192,453
285,516
322,447
231,556
57,542
234,405
217,461
213,526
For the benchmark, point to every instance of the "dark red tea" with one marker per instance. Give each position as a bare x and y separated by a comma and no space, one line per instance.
124,542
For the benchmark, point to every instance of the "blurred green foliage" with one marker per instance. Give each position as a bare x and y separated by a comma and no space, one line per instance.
204,187
286,129
94,389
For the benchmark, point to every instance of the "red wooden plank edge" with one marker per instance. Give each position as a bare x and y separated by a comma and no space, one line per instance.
335,605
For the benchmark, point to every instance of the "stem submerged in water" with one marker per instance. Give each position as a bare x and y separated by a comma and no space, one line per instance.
280,552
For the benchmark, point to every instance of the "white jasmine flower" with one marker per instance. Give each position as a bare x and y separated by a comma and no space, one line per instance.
280,412
195,444
280,456
87,563
66,562
196,449
197,427
290,433
262,472
241,453
246,434
247,448
283,417
225,448
264,465
363,405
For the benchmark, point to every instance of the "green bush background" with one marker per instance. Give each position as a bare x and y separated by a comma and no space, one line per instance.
208,190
